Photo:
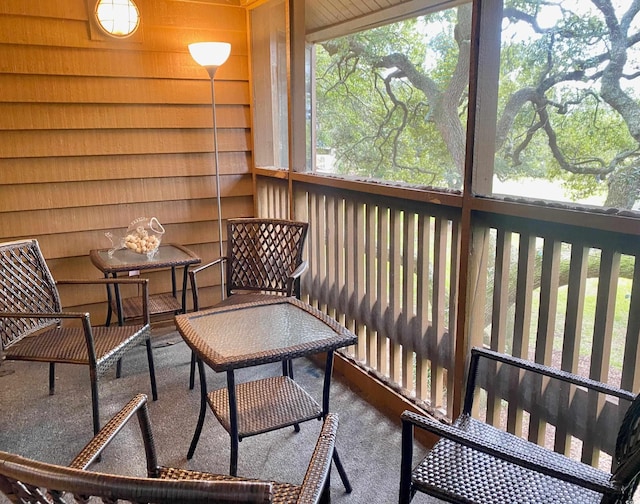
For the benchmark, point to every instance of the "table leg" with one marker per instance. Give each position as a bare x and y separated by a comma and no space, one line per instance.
328,371
173,281
109,309
203,409
185,276
116,290
233,423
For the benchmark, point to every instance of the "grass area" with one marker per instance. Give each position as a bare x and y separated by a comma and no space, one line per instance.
621,315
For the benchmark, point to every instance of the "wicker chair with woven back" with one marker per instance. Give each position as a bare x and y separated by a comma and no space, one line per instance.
25,480
33,326
263,258
475,463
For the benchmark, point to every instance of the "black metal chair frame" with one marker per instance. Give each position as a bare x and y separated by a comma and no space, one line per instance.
469,447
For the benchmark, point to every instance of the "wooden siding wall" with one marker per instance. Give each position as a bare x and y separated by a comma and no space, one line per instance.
96,131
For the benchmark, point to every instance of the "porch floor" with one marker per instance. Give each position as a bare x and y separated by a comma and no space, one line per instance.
55,428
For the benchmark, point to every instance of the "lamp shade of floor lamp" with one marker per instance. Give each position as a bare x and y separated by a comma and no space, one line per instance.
211,55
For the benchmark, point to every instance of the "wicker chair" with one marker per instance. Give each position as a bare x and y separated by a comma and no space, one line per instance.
33,326
476,463
25,480
264,257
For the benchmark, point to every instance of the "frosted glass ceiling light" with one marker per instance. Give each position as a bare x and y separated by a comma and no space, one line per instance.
118,18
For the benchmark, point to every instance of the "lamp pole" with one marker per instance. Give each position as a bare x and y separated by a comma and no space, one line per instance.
217,175
211,55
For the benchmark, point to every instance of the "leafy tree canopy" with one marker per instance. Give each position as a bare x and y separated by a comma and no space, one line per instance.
392,101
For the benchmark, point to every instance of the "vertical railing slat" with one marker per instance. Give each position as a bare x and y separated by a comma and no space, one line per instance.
423,302
571,343
370,289
382,292
499,313
408,286
438,301
454,268
360,281
549,282
395,292
601,345
521,324
321,215
331,246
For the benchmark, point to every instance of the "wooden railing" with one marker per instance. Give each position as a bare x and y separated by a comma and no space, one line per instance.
563,296
559,294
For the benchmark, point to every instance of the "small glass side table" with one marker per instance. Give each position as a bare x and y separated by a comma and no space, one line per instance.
168,256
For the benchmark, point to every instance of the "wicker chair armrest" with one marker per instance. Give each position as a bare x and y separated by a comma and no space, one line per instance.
193,278
320,465
101,440
552,373
505,453
143,282
197,270
57,480
47,315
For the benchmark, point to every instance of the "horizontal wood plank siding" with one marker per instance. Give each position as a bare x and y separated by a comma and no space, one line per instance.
95,132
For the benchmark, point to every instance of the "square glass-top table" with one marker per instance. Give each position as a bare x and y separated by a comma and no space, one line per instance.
250,334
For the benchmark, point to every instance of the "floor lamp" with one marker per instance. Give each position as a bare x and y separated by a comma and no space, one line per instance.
211,55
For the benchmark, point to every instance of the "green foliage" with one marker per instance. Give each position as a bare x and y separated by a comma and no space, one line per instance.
357,118
382,123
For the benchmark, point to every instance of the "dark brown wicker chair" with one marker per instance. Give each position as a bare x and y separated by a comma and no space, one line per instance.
33,326
24,480
476,463
264,257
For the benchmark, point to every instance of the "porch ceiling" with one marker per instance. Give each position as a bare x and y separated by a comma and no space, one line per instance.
326,19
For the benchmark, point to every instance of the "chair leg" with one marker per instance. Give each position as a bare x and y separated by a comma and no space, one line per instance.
341,471
203,410
95,401
233,423
52,378
192,371
119,368
95,405
152,371
405,463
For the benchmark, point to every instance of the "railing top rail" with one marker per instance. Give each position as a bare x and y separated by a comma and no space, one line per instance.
626,222
568,233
